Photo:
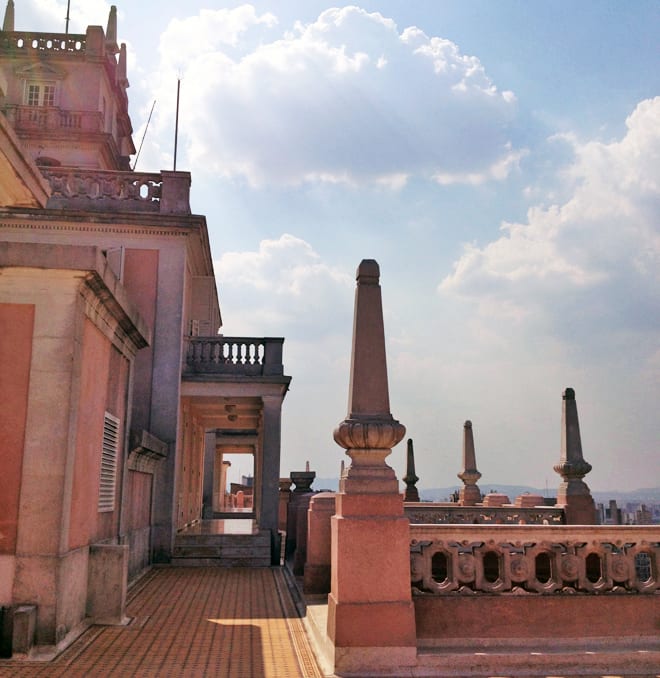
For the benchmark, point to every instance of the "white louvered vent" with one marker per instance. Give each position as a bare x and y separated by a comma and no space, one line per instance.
109,463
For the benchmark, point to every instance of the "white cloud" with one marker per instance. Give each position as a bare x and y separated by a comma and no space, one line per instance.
345,99
49,15
282,287
593,262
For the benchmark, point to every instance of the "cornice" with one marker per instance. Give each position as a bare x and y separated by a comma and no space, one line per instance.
148,223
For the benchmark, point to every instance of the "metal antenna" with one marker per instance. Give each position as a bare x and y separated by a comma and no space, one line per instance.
146,127
176,125
68,7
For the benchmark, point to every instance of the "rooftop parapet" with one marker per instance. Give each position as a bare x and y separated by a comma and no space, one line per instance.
111,191
22,42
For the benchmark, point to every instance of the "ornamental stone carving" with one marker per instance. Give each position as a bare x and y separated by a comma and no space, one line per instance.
369,435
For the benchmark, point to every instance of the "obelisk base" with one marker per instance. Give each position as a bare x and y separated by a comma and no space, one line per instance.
371,618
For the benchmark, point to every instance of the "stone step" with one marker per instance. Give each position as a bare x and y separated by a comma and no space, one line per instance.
229,550
221,539
222,562
222,550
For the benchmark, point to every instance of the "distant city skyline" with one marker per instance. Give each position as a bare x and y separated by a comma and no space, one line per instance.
499,160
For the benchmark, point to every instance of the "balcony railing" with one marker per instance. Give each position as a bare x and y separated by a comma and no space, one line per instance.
529,559
21,41
238,356
450,514
42,118
110,191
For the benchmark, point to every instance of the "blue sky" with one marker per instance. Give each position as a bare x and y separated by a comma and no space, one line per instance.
500,160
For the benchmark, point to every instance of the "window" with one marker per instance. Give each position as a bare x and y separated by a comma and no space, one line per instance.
49,95
40,94
108,481
33,95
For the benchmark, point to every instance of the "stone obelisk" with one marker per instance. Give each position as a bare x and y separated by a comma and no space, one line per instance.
574,494
371,621
469,494
411,478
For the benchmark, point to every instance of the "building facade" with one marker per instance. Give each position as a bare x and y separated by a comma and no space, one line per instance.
120,396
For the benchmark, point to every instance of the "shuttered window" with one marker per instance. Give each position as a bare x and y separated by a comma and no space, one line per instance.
109,453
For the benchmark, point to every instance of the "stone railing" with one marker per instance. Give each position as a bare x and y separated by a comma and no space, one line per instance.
20,41
241,356
528,559
109,191
52,118
449,514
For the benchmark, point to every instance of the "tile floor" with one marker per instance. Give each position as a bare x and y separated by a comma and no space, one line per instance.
190,622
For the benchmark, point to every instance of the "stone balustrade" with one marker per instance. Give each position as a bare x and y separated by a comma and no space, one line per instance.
21,41
50,118
241,356
527,559
110,191
449,513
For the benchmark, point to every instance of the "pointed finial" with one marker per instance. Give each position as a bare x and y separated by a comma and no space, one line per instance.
470,494
8,23
410,479
122,77
111,31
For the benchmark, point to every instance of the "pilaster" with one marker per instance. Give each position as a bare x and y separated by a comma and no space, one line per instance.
270,470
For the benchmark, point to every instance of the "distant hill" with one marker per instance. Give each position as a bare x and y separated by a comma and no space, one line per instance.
647,495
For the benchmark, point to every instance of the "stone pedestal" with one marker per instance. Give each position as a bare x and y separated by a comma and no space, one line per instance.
283,506
317,568
302,481
371,619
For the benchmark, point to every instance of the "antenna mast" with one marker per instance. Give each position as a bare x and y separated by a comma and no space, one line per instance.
176,125
68,7
146,127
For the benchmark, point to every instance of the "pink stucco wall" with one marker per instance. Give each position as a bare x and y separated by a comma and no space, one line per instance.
141,283
89,435
17,323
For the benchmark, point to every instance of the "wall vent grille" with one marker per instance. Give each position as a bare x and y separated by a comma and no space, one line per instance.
108,484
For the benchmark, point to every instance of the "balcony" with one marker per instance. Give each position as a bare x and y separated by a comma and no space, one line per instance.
52,118
233,356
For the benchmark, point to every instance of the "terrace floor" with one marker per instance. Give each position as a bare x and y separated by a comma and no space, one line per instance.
189,622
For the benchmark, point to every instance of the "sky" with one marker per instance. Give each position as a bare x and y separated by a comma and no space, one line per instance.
501,162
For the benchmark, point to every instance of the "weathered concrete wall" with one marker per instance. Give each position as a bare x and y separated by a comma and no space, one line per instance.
138,521
107,583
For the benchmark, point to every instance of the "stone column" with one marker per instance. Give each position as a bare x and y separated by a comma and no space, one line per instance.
270,471
470,494
573,494
222,485
208,474
371,620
